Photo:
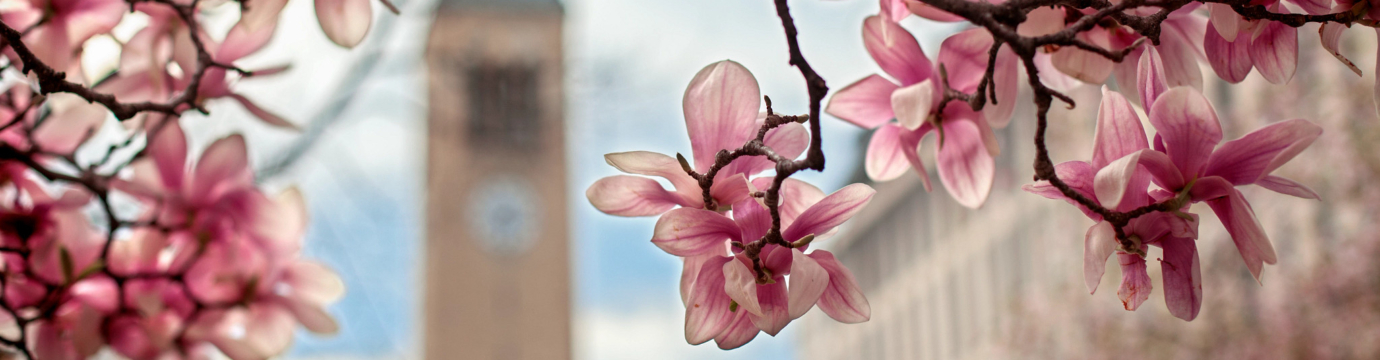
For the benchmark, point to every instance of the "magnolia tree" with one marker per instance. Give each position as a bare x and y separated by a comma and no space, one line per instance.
205,261
745,237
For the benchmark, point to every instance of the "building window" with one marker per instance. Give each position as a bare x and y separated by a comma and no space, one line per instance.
503,106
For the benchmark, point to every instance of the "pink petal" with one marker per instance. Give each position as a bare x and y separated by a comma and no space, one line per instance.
1181,49
929,12
243,40
1150,77
866,103
808,281
1331,34
691,267
1287,187
224,165
1098,245
656,164
1082,64
1275,51
775,314
789,141
721,106
1188,126
738,334
740,285
1007,81
1223,18
965,167
1118,132
796,197
1182,279
86,18
1078,175
69,127
830,212
1135,283
267,117
1245,160
728,189
895,10
345,21
752,218
911,140
168,148
913,104
843,300
1239,219
259,14
1162,169
707,312
1052,76
895,50
886,154
314,282
1230,60
624,195
964,56
1114,181
690,231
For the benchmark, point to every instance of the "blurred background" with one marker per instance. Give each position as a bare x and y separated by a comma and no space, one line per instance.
445,161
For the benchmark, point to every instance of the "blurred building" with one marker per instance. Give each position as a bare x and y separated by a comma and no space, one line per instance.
1005,281
497,283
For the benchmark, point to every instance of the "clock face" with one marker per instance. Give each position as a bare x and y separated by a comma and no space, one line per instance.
504,212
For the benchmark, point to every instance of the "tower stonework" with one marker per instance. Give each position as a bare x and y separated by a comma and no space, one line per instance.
497,265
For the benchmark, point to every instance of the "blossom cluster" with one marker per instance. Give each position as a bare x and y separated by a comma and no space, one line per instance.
1126,175
204,261
735,283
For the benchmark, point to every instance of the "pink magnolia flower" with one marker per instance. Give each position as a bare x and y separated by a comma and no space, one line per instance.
721,113
1181,47
1186,166
723,300
967,144
1119,135
66,24
1235,45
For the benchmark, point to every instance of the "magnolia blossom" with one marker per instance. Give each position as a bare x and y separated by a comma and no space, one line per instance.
723,299
721,113
904,114
1235,45
59,27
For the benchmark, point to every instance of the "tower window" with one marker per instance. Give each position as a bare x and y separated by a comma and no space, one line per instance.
503,106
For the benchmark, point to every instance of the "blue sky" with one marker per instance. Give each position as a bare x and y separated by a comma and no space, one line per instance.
628,62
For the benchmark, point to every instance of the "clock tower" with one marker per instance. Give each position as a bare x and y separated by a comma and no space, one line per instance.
497,266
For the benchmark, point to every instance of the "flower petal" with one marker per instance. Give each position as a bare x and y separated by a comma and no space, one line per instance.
866,103
1275,51
1331,34
707,312
738,334
1239,219
1114,181
1150,77
168,148
1182,279
895,50
965,166
1188,126
886,154
224,166
345,21
741,285
1118,132
721,106
1082,64
654,164
830,212
1245,160
913,104
1223,18
266,116
1287,187
773,301
843,300
690,231
807,282
1135,282
1231,60
625,195
1098,245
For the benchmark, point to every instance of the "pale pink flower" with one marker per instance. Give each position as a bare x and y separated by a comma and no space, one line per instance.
723,300
1235,45
68,24
721,113
904,114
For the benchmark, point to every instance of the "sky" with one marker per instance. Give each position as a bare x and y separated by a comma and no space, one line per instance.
628,62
